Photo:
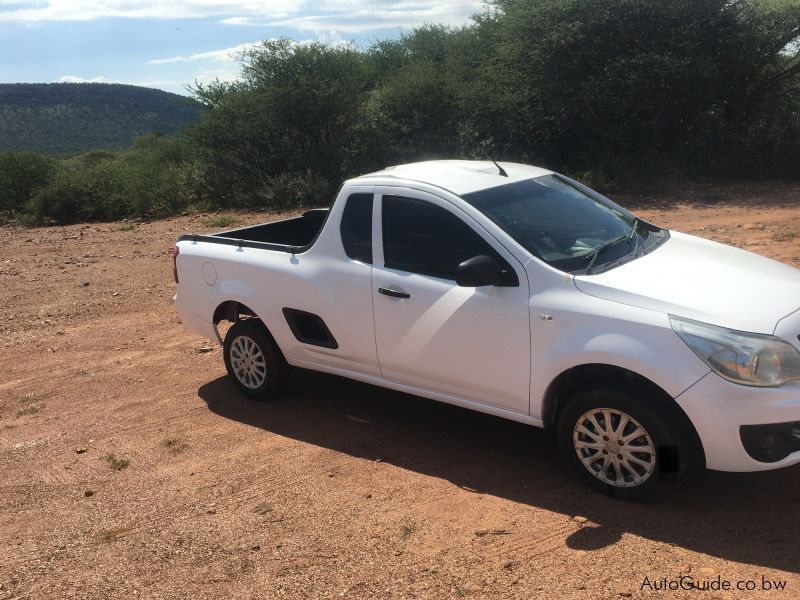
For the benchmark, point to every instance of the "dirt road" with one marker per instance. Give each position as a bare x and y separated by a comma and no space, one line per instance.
338,489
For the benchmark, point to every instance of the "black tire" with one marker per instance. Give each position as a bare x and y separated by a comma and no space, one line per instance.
676,455
262,368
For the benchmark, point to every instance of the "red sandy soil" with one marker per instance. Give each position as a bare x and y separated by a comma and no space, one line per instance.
338,489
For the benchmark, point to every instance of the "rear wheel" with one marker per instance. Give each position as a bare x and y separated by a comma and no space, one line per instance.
623,446
254,362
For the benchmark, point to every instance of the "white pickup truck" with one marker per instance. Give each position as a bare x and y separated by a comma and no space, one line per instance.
515,291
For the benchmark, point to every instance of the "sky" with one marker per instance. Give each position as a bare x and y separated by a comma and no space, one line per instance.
168,44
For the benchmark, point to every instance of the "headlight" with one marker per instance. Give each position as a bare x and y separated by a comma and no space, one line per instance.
746,358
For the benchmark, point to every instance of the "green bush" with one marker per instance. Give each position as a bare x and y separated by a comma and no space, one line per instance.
293,191
77,193
21,175
155,178
60,201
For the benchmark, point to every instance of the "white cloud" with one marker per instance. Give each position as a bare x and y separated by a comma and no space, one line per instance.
77,79
365,20
239,21
364,16
308,15
224,55
85,10
223,65
332,38
222,74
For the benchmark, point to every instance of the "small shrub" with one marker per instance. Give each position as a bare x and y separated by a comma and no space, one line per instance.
408,527
29,398
221,221
109,535
117,464
786,236
28,410
176,445
59,201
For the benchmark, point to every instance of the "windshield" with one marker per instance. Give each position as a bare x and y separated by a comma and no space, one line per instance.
565,226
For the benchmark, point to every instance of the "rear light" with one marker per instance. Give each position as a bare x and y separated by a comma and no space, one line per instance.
174,254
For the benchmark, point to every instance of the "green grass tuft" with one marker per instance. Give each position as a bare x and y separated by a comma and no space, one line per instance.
176,445
408,527
109,535
29,398
221,221
28,410
117,464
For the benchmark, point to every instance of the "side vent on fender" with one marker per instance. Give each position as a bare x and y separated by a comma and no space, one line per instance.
309,328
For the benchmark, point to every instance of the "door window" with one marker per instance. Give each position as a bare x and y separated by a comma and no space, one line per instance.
420,237
356,227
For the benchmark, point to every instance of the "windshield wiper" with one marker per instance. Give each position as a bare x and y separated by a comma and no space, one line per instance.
603,247
633,229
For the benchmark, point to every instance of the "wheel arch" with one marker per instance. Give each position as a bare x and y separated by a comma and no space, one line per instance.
234,311
593,375
231,310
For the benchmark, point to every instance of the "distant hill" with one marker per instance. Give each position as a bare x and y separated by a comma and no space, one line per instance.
66,118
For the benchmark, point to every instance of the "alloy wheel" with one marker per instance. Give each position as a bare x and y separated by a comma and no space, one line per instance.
248,362
614,447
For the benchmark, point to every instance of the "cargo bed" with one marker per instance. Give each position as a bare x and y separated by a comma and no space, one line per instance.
290,235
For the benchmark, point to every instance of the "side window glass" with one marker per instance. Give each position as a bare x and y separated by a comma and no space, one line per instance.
356,227
420,237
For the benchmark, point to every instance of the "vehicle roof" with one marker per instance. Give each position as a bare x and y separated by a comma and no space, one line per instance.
458,176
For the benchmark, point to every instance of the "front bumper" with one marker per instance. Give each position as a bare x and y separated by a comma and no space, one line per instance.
721,411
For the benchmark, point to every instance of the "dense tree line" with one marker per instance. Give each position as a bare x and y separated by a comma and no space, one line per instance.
155,177
613,91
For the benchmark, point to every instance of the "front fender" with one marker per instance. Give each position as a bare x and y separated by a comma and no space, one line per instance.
587,330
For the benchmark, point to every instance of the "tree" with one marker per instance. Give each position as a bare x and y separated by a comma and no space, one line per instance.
21,174
293,112
588,81
414,110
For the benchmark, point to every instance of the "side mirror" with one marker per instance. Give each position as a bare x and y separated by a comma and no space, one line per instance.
479,271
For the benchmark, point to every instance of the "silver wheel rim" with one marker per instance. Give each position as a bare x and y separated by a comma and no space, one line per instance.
248,362
614,447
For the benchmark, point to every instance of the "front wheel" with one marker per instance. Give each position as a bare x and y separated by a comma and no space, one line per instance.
253,360
623,446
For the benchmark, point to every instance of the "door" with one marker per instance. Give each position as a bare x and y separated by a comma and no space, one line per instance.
470,343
